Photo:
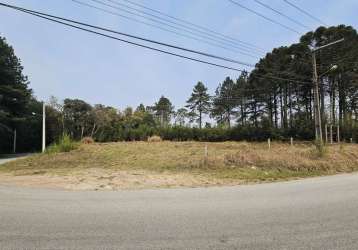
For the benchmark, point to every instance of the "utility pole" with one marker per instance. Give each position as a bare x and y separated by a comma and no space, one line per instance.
317,110
318,121
14,145
43,127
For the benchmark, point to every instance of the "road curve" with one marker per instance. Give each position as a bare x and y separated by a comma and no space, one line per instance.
7,158
318,213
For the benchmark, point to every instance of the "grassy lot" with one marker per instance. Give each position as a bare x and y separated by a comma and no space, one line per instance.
172,164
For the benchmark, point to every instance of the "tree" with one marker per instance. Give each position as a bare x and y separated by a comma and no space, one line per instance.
241,94
199,102
163,110
78,116
56,105
105,120
225,102
180,116
140,108
14,93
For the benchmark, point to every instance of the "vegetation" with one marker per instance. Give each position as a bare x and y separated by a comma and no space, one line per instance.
199,102
258,105
65,144
163,164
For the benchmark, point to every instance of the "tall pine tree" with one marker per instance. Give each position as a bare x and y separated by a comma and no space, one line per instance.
199,102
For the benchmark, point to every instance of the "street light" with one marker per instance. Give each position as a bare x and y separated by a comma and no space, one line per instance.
333,67
318,121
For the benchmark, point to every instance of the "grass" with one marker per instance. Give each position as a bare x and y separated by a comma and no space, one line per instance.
65,144
227,163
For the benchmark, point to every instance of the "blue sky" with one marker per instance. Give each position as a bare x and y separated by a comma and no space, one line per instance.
69,63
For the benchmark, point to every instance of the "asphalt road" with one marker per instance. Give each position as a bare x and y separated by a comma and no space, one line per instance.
7,158
318,213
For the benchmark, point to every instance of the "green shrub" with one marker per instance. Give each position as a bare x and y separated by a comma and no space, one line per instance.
65,144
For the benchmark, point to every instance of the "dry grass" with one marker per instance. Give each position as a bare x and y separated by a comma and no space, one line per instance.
166,164
87,140
155,138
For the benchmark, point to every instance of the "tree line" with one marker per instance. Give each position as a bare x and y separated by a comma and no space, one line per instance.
274,100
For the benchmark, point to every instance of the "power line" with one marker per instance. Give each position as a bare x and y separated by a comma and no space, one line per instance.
216,43
183,26
282,14
161,28
265,17
144,39
195,25
305,12
119,39
46,17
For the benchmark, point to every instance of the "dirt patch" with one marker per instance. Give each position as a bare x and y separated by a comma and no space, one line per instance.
100,179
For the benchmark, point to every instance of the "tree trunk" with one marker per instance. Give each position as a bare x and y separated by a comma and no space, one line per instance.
290,106
281,105
93,129
228,119
322,95
82,131
333,102
275,110
285,121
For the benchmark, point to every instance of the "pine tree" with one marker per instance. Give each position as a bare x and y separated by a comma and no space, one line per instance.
14,92
199,102
163,110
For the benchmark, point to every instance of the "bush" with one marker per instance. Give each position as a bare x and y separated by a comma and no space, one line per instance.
213,134
65,144
87,140
155,138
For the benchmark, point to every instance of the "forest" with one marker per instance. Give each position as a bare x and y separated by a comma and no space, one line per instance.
274,100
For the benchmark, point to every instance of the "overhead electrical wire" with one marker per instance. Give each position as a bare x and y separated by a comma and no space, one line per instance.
282,14
265,17
305,12
146,39
45,16
228,38
165,29
183,27
57,19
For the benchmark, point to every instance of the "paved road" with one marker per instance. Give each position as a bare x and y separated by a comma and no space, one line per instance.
319,213
7,158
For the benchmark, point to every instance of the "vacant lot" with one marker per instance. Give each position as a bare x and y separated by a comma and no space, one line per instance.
130,165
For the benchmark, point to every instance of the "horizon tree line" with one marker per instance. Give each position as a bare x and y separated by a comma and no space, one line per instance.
275,97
